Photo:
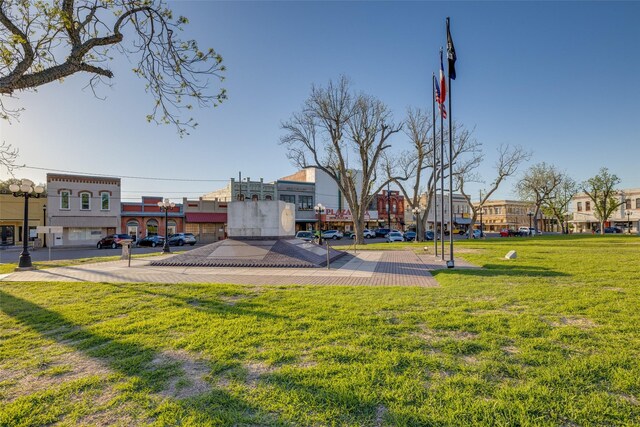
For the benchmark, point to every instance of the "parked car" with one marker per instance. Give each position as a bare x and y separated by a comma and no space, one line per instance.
525,231
428,235
382,232
152,241
307,236
181,239
459,231
410,236
477,234
332,234
610,230
112,241
509,232
394,236
368,234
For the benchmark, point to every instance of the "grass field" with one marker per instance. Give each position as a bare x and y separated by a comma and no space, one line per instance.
551,338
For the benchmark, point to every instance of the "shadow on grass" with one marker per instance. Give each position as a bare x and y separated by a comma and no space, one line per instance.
202,303
134,361
491,270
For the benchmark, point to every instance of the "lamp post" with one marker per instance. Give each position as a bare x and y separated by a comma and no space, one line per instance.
319,209
165,206
530,214
629,221
416,214
26,189
44,223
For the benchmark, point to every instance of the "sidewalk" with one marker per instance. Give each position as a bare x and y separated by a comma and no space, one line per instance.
366,268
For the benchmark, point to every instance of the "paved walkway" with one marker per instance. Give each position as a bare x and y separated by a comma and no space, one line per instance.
366,268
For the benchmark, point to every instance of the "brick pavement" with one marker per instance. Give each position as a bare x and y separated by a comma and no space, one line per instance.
366,268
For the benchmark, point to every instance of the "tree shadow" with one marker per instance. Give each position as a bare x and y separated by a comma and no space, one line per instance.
133,360
491,270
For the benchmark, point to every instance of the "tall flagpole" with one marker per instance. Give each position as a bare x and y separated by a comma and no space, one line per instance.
450,264
442,180
451,60
435,169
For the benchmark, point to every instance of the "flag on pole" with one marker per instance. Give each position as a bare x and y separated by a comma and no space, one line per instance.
451,54
443,82
443,111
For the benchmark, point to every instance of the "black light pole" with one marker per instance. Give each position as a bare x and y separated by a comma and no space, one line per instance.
629,221
27,190
416,214
44,223
481,209
319,208
165,206
530,217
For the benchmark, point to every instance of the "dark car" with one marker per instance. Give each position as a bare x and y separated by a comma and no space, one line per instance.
181,239
382,232
112,241
610,230
428,235
152,241
409,236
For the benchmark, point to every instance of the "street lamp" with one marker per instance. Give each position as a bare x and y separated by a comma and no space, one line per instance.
319,211
165,206
26,189
530,217
44,223
629,221
416,213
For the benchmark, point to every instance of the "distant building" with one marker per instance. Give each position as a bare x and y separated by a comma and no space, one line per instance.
461,212
393,218
146,219
206,219
87,207
244,190
12,218
302,195
501,214
626,217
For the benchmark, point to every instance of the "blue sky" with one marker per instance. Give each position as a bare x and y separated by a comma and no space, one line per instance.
559,78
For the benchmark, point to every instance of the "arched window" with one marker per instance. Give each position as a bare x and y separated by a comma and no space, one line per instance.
85,201
152,227
254,198
240,197
132,228
267,197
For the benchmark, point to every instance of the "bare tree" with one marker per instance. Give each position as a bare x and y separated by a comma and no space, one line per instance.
42,42
602,192
509,159
415,170
537,185
557,204
8,157
333,123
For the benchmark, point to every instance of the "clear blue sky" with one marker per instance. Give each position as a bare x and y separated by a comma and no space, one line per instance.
560,78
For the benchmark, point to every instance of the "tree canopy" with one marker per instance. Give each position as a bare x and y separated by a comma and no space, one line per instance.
45,41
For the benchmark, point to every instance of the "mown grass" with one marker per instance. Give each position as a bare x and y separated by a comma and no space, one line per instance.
551,338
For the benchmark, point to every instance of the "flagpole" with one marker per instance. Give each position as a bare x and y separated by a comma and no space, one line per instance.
450,264
435,169
442,181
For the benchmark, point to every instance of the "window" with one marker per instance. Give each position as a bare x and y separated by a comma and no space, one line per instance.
638,203
104,201
579,206
254,198
152,227
587,206
64,200
288,198
268,197
240,197
305,202
627,204
85,201
172,228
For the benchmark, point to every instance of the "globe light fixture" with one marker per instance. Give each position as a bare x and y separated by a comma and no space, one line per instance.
319,209
165,206
416,213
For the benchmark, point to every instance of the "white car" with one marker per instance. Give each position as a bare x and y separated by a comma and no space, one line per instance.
394,236
332,234
368,234
524,231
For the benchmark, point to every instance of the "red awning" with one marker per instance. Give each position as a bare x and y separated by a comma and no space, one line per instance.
206,217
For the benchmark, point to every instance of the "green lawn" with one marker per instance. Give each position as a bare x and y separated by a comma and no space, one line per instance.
551,338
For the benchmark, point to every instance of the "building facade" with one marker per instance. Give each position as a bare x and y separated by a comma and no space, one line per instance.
12,218
87,207
626,217
302,195
390,206
146,219
206,219
244,190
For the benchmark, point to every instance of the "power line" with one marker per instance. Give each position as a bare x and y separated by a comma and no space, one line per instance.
122,176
